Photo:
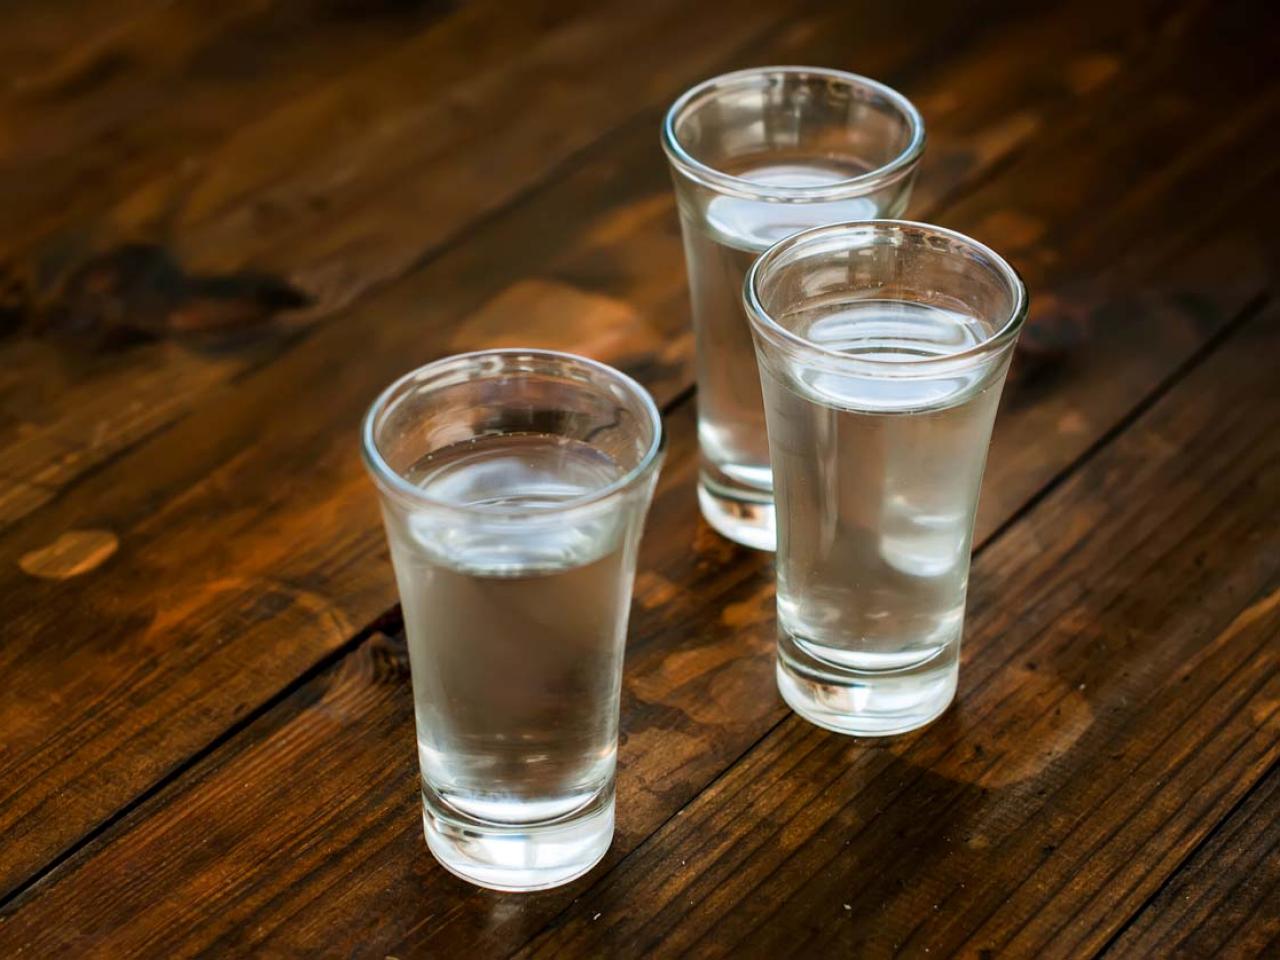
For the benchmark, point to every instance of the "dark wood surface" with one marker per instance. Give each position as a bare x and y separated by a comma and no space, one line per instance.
223,227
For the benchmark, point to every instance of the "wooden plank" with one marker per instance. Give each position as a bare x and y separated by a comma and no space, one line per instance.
215,546
37,31
267,226
67,419
66,434
346,813
1119,693
349,725
144,91
1225,900
199,866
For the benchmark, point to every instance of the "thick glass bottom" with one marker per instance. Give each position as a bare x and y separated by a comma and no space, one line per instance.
523,857
865,703
744,516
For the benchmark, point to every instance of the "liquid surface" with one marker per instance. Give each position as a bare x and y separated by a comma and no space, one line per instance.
890,331
515,630
722,240
877,484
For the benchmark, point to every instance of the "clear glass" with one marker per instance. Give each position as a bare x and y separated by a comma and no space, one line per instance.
514,486
882,348
755,156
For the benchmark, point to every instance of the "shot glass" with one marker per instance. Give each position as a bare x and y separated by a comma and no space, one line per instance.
755,156
514,486
883,347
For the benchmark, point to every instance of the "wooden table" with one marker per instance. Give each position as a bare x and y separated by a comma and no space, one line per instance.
225,225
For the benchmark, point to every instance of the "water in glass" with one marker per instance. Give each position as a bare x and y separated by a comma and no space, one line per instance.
877,479
721,242
516,639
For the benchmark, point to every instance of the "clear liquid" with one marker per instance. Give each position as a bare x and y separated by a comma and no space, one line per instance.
877,484
722,240
515,634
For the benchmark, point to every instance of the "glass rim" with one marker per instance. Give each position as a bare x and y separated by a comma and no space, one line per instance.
704,173
765,323
392,482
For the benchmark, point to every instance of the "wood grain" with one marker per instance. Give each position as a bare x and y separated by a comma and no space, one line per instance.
276,221
141,95
1225,900
699,692
245,557
68,418
1119,694
218,550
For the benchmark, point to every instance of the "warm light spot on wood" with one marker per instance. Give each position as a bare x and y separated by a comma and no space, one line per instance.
662,682
1250,615
748,613
621,223
654,591
556,316
705,678
935,105
999,758
73,553
739,695
726,681
1046,717
1054,735
1265,714
193,607
710,547
1072,422
1002,137
1089,73
1014,229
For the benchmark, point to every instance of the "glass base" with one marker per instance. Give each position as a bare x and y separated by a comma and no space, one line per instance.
748,520
865,703
519,857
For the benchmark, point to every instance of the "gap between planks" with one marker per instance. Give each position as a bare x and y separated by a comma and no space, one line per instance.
1182,863
1206,350
390,622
